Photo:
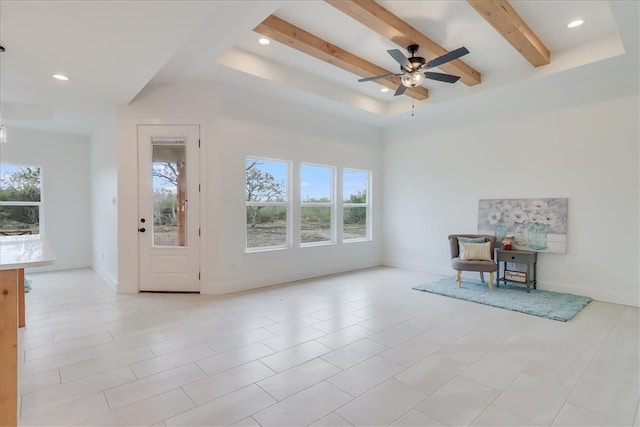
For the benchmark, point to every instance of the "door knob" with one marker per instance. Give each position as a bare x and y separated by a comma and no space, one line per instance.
142,230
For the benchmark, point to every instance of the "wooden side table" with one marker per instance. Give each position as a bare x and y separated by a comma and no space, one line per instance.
529,258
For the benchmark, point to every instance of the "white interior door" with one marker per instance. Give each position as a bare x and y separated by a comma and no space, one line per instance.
169,208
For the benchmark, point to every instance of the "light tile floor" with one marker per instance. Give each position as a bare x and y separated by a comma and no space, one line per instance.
360,348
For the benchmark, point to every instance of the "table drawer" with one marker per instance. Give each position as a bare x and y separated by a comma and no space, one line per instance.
516,257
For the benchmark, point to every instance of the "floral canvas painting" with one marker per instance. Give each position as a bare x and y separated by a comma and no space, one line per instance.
532,224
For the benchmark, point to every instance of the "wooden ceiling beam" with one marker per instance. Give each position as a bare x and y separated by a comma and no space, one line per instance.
503,17
299,39
385,23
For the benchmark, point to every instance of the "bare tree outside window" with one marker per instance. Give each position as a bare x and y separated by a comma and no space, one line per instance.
266,200
165,203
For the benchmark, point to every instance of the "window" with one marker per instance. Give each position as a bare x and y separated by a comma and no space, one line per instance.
169,193
356,202
267,203
316,204
20,199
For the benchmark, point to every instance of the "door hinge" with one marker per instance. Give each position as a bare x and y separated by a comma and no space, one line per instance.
199,232
198,188
198,275
198,143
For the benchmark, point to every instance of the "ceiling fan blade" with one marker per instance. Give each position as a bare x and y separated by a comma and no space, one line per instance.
384,76
400,58
400,90
449,56
448,78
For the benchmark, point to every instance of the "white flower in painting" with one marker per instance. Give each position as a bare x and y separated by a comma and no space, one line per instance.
519,216
505,205
550,219
537,218
538,205
507,217
494,217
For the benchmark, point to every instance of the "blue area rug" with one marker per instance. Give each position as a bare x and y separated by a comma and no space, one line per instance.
552,305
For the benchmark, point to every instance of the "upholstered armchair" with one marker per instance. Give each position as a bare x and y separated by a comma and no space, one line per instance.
473,252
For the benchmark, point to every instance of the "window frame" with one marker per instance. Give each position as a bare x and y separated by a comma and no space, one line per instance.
366,205
39,204
331,205
286,204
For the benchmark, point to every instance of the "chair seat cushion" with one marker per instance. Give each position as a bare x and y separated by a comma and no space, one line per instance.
482,266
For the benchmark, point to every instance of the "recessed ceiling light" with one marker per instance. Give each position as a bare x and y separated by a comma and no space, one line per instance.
60,77
576,23
384,89
264,41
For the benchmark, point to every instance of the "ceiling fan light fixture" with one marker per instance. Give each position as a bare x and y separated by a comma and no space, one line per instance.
384,89
412,79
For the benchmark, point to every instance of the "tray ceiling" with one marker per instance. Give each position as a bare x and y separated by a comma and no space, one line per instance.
113,50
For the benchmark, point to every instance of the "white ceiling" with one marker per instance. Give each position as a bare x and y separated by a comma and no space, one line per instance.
112,50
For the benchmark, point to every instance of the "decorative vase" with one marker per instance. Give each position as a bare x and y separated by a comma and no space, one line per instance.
501,231
521,235
537,238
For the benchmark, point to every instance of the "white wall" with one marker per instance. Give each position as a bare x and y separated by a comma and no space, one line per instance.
64,160
574,135
236,123
104,212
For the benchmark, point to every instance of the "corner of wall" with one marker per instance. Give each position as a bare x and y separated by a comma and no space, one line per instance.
111,281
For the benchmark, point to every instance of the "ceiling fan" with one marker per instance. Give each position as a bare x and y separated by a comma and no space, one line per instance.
414,69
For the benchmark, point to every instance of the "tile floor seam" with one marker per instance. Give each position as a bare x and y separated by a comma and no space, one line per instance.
177,413
119,385
489,406
234,367
592,410
515,379
59,375
335,410
429,415
414,407
509,412
270,395
104,396
332,364
573,389
112,340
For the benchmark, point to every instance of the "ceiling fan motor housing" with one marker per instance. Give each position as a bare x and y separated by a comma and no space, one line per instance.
417,62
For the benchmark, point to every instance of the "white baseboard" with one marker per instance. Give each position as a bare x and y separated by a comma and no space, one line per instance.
111,281
227,288
123,288
429,268
600,294
58,267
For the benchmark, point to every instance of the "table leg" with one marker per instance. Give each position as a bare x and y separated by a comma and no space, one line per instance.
9,284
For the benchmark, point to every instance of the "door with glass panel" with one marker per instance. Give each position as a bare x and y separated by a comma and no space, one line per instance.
169,208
